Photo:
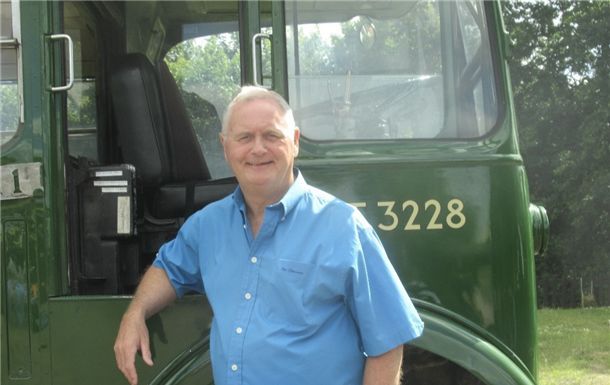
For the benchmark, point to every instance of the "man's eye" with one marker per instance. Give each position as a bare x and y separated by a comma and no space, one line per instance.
243,138
273,136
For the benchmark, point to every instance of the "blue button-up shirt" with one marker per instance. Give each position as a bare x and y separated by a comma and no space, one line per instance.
304,302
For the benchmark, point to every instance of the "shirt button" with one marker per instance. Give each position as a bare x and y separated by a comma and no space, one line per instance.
239,330
234,368
253,259
248,296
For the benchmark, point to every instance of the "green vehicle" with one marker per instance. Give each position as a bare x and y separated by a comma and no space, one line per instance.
109,140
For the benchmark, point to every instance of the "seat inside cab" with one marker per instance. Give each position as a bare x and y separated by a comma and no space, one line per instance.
149,156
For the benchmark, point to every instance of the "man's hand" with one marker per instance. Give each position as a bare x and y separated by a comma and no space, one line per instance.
154,293
132,337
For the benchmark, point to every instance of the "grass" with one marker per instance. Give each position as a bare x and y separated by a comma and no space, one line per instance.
574,346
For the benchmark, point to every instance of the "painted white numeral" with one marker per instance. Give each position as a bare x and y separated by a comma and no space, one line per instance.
411,225
388,213
455,207
359,205
433,224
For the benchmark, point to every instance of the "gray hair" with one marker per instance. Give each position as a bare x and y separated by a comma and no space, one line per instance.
250,93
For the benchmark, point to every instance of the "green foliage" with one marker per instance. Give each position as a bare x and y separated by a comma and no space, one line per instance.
560,64
209,67
81,106
574,346
9,107
315,54
407,45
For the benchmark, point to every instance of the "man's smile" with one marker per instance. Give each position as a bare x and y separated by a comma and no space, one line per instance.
259,164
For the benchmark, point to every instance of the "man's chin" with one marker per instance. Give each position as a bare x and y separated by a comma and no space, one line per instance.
257,179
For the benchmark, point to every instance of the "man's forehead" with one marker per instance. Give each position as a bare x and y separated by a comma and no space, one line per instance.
247,115
239,128
260,104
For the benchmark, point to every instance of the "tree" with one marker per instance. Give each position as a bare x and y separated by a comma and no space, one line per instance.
560,64
208,67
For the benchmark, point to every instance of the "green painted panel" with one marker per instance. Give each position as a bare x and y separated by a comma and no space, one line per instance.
14,236
83,330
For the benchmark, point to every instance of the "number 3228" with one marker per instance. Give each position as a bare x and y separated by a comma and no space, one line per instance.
451,215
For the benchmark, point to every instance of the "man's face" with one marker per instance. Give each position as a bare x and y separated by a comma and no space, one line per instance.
260,149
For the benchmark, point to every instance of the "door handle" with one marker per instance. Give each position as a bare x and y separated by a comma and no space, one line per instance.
68,40
255,38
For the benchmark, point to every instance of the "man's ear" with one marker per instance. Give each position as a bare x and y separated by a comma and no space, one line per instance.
222,138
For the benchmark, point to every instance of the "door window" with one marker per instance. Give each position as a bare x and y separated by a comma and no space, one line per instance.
82,106
10,71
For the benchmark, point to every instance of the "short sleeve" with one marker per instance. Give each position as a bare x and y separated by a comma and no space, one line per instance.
384,313
179,258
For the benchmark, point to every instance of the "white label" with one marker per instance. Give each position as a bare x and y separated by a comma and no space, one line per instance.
114,189
108,173
110,183
123,215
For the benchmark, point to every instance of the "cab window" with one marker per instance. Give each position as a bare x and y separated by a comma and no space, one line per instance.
390,71
207,72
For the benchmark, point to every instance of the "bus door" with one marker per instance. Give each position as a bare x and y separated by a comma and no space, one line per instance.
32,88
201,53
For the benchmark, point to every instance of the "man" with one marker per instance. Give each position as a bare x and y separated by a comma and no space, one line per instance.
301,289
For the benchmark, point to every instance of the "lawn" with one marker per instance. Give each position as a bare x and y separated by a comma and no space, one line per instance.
574,346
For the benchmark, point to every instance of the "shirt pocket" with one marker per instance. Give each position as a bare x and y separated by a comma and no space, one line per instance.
282,290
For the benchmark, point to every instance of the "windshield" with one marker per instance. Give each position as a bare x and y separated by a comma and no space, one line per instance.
390,70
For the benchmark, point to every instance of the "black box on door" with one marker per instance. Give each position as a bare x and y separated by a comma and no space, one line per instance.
108,252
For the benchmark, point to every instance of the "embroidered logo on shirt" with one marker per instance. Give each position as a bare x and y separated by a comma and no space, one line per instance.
294,267
291,270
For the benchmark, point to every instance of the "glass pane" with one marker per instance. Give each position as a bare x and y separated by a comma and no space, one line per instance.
265,55
476,49
82,109
9,109
6,20
9,86
207,71
382,72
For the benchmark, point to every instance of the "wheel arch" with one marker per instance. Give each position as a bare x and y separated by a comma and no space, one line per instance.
456,339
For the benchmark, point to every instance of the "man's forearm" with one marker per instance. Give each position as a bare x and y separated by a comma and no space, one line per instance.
154,293
383,369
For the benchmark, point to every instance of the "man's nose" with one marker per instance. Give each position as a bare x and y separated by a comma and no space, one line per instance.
259,146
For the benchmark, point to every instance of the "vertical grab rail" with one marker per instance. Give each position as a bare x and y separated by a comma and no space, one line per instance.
255,72
70,62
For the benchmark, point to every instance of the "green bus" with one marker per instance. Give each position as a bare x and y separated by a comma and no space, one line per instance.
109,139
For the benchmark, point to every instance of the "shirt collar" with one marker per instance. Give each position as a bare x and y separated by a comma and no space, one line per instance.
294,193
288,201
